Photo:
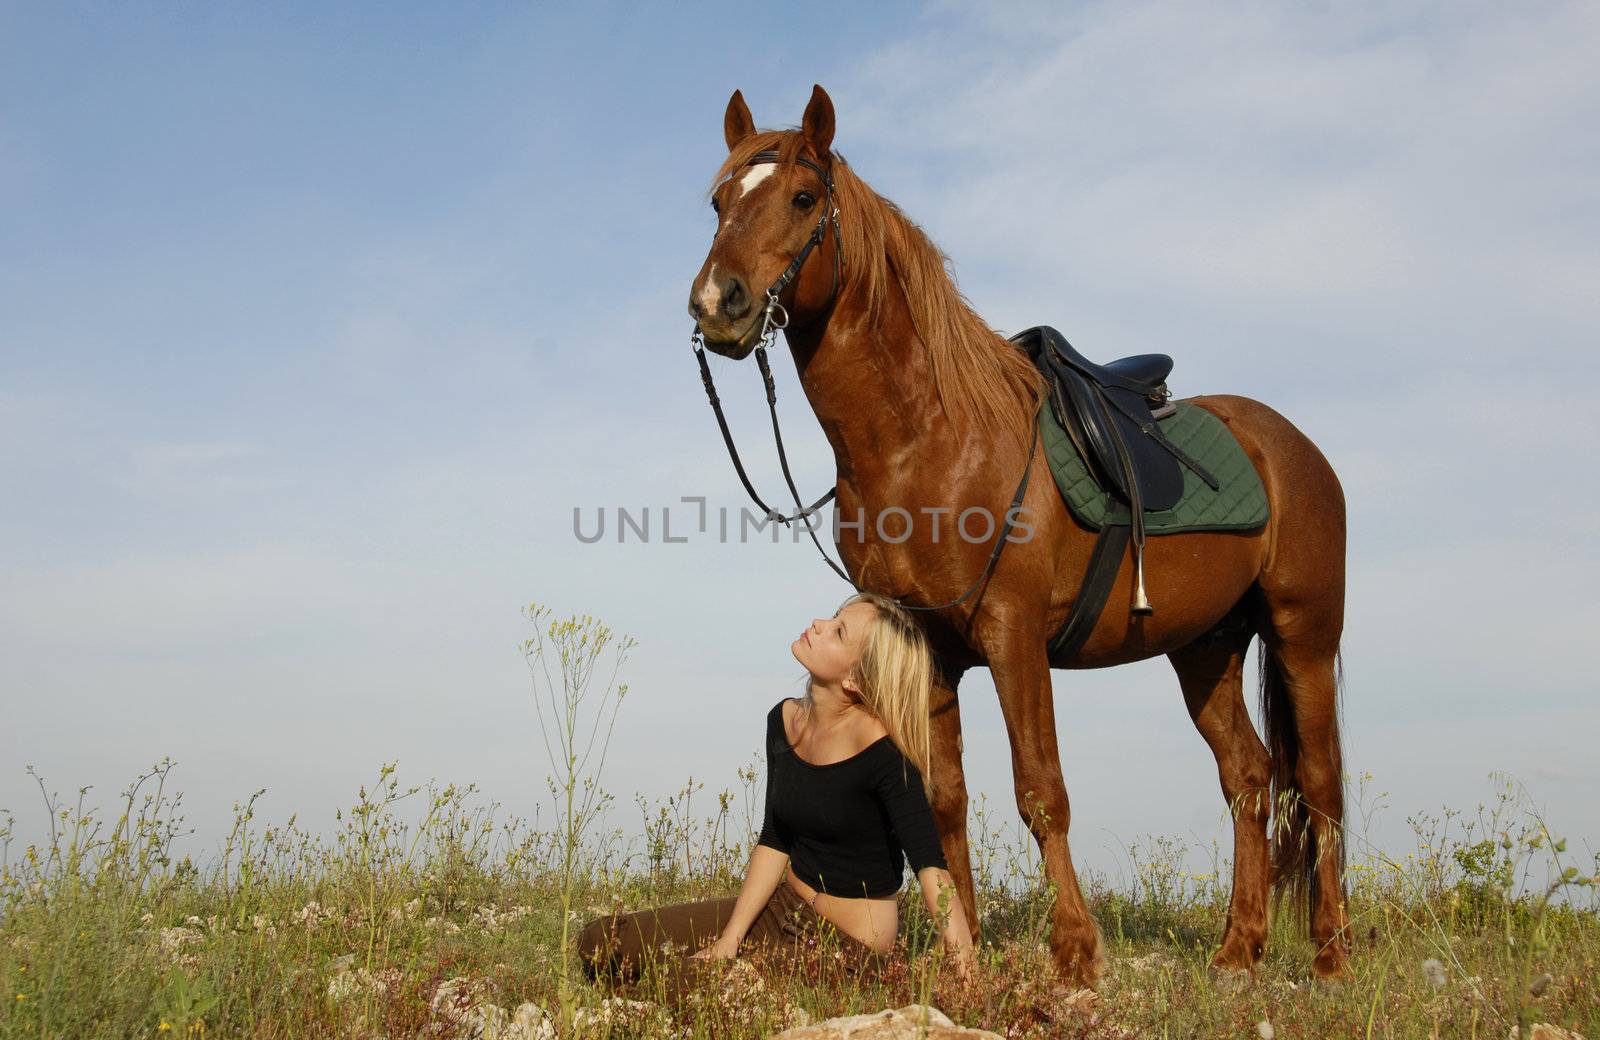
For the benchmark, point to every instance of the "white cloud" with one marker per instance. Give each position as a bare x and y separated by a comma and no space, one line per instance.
1375,166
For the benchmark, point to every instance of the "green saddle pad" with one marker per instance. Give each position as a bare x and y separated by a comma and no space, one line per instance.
1239,504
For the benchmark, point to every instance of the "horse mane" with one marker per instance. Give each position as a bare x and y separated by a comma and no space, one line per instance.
980,378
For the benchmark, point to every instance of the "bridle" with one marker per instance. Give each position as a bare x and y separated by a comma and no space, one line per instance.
770,323
775,316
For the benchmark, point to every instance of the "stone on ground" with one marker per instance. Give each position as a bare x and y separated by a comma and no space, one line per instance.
898,1024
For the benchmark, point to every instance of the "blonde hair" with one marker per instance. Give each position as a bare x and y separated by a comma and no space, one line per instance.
895,673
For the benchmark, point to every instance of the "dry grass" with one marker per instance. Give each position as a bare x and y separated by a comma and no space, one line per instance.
430,915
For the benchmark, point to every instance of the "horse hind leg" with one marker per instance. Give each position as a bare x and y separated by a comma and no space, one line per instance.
1211,673
1300,697
1300,622
1302,590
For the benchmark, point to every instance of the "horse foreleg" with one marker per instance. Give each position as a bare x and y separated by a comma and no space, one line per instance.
1022,679
1211,672
950,792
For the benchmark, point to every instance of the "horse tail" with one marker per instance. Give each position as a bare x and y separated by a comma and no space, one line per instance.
1294,845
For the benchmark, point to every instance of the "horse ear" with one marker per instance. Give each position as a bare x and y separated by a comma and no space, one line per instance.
817,123
736,123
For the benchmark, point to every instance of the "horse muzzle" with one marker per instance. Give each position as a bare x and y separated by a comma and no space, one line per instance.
733,343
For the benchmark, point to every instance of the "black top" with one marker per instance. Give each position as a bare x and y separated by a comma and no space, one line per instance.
848,827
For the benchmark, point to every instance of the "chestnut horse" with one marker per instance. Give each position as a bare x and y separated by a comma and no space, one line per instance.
927,408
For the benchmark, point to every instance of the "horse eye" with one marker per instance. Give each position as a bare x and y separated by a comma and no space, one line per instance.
804,200
714,207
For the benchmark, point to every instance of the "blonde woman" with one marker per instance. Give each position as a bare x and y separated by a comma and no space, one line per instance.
846,807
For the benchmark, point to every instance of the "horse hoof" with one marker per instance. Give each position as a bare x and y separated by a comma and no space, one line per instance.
1332,967
1230,978
1083,969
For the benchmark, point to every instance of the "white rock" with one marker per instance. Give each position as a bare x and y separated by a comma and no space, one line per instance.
912,1022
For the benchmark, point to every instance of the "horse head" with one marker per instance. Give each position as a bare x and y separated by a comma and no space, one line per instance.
776,205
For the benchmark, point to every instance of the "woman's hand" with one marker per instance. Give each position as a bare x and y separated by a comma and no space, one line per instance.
963,960
726,948
939,891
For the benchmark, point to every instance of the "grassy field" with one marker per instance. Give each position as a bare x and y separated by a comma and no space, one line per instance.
429,914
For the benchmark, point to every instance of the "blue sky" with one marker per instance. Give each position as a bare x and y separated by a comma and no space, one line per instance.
315,326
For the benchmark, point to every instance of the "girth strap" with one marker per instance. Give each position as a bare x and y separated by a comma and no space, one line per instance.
1098,577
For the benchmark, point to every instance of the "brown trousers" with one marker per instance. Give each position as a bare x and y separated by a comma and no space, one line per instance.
619,947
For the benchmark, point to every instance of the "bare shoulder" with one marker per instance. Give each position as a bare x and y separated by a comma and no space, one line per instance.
872,730
868,732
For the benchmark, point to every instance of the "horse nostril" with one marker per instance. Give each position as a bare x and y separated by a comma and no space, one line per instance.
735,301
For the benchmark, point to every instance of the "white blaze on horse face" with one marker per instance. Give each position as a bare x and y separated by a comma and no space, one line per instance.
708,292
757,174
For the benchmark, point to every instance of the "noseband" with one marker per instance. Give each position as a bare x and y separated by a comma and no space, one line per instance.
775,316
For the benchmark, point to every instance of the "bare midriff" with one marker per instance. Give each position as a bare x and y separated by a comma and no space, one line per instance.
871,921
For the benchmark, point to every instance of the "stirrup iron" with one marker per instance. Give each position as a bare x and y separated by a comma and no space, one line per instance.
1141,602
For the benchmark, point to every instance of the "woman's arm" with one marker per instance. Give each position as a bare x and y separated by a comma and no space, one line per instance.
767,865
768,860
939,888
899,786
